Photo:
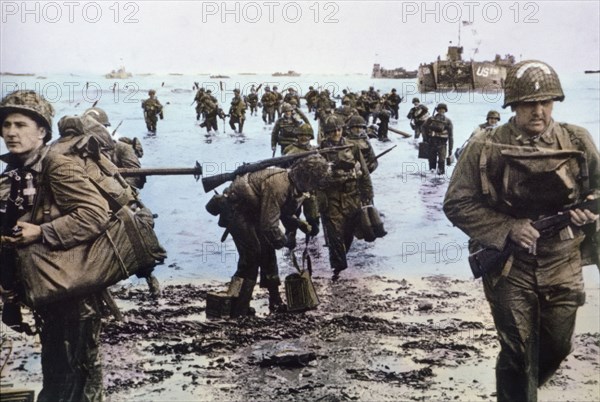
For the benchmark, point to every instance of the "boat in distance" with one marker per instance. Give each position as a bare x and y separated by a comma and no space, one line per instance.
396,73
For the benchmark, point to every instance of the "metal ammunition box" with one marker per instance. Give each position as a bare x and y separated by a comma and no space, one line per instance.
16,395
300,292
218,304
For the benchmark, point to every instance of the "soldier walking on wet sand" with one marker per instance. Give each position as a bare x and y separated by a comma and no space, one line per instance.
507,178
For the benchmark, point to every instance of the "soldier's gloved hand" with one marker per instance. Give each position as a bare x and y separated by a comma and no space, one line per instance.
304,226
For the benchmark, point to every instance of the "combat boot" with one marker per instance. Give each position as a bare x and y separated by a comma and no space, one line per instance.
241,289
276,305
241,126
153,286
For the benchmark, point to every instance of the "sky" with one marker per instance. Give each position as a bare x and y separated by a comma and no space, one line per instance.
326,37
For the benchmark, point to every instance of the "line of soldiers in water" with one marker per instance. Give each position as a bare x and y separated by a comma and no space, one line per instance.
285,113
368,104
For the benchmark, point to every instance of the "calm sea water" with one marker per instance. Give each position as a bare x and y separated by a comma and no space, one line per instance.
420,240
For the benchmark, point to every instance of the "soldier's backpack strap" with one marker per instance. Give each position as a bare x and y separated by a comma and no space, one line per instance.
486,187
572,141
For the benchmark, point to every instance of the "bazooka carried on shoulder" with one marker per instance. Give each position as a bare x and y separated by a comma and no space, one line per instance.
212,182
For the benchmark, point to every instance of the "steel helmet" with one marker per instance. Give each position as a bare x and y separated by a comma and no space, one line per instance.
441,106
531,81
152,92
286,107
356,121
308,173
331,124
98,114
31,104
493,114
416,100
305,130
70,126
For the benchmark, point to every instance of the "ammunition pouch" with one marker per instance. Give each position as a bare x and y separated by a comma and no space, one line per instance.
436,125
483,259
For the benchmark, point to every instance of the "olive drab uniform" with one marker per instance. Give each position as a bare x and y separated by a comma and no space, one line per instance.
344,113
341,199
384,120
198,99
69,330
372,100
237,113
311,99
212,112
252,101
438,132
291,95
283,131
418,115
393,101
152,110
278,101
349,99
503,176
269,103
258,201
363,105
126,155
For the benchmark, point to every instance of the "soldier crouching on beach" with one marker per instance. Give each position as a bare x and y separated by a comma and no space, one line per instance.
506,179
257,202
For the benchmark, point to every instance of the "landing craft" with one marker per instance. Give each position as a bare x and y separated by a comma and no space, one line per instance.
457,74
